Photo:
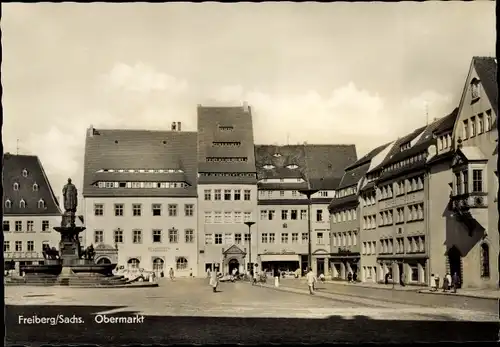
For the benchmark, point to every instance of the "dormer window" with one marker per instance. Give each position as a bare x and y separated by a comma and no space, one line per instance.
405,146
41,203
35,187
268,167
276,155
16,186
475,89
8,203
25,173
292,166
22,203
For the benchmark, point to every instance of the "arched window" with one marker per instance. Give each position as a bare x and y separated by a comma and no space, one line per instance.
133,263
158,264
41,203
16,186
22,203
8,203
25,173
104,260
35,187
181,263
485,260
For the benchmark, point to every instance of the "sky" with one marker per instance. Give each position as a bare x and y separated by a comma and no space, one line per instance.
361,73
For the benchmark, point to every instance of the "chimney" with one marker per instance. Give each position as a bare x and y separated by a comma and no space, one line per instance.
174,126
91,131
178,126
245,107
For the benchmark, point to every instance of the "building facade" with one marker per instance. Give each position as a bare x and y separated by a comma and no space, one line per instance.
285,173
227,189
140,198
30,211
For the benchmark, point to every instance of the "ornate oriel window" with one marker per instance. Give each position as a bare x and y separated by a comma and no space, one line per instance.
485,260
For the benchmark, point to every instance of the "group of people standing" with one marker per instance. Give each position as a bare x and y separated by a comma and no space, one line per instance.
449,282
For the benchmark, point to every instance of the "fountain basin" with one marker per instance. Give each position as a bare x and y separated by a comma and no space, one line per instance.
42,270
92,269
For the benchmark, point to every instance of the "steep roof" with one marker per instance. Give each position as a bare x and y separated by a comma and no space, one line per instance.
140,149
447,122
218,125
486,68
274,161
368,157
13,166
353,176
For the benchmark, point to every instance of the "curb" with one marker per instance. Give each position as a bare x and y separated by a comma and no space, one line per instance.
459,294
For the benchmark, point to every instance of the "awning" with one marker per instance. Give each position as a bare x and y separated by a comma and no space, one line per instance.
279,257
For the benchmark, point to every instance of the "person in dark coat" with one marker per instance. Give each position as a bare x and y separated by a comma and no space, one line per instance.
455,282
349,277
386,278
354,277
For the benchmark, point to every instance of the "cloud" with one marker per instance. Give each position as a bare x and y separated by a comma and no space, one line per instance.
143,79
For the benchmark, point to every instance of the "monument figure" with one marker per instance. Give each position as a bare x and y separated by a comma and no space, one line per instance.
70,199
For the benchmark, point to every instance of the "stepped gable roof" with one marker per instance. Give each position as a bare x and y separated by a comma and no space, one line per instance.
124,149
13,166
219,125
486,68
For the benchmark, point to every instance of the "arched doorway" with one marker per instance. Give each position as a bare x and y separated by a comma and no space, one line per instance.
133,263
234,264
104,260
455,261
158,267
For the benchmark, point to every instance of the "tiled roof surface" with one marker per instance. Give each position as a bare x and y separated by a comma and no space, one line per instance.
13,166
210,121
282,186
353,176
280,157
140,149
140,177
368,157
486,68
341,203
368,186
447,122
324,161
327,183
443,156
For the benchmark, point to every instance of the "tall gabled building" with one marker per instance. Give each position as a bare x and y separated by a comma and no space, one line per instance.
344,218
227,189
30,210
283,171
140,193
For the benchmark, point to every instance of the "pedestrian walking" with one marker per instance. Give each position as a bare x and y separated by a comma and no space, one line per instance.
402,280
436,277
276,275
311,279
214,280
433,283
349,277
386,279
171,273
446,284
355,277
449,280
255,275
455,282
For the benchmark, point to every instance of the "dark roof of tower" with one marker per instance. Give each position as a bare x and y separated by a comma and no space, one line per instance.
486,68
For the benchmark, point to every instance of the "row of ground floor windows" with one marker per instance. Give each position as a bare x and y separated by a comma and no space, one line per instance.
181,263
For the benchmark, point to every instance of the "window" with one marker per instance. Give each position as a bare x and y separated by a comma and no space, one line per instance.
118,210
237,194
293,214
488,123
208,217
8,203
458,181
263,214
172,210
271,214
118,236
295,237
247,194
189,235
294,193
6,225
30,247
18,225
480,124
475,89
282,193
6,246
218,239
284,214
477,181
98,236
269,193
137,236
264,238
319,215
29,226
208,194
217,217
305,237
98,209
228,217
247,237
22,203
173,235
473,126
465,177
227,194
284,237
237,238
133,263
136,210
272,237
35,187
19,246
247,217
485,260
16,186
181,263
237,217
217,194
209,239
188,210
466,129
303,214
319,238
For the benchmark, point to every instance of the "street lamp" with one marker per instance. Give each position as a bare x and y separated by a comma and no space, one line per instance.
249,224
308,192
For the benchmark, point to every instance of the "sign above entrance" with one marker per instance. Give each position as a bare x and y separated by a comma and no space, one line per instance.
158,249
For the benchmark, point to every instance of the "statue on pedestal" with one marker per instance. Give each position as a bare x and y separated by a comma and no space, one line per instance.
70,197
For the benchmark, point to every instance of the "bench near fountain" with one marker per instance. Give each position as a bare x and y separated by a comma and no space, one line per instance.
72,266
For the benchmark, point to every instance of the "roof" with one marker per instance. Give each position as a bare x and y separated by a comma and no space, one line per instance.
353,176
486,68
13,166
140,149
472,153
447,122
368,157
225,124
344,202
322,166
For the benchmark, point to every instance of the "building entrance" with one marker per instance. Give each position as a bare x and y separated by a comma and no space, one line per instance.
234,264
455,261
320,266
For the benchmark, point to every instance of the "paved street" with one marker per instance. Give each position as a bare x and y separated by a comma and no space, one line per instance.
186,311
